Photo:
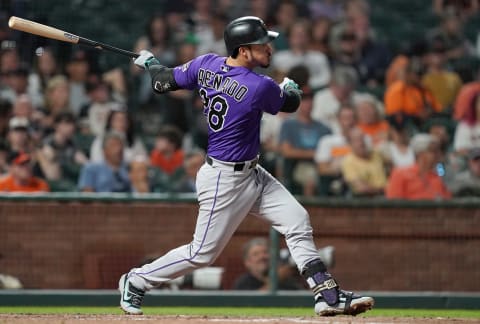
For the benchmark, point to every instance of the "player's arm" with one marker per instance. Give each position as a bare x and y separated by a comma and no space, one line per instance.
163,79
292,95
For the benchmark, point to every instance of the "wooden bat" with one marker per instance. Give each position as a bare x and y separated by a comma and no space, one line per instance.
35,28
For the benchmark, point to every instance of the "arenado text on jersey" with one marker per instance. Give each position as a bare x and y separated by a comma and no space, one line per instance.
228,86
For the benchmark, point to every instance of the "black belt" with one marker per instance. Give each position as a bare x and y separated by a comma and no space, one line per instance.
237,166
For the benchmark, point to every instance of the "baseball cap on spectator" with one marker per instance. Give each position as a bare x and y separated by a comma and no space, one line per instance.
18,123
421,142
474,154
18,158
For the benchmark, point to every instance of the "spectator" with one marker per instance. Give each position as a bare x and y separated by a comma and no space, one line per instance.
23,108
59,158
465,97
192,163
467,183
420,180
450,32
156,40
464,9
200,18
119,121
269,140
9,61
299,54
397,152
138,173
109,175
329,9
98,108
20,176
168,155
410,97
467,133
286,13
256,259
363,169
216,43
374,56
320,32
370,120
78,69
5,114
18,137
442,83
257,262
327,102
45,68
56,101
330,151
298,139
4,152
16,82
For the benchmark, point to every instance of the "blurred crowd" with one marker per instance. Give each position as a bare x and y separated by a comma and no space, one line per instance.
374,121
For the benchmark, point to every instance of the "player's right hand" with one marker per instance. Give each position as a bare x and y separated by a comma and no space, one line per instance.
143,59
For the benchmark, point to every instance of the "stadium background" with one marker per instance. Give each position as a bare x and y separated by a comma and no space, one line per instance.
75,242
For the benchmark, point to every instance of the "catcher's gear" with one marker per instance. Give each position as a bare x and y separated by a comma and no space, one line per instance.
292,95
246,30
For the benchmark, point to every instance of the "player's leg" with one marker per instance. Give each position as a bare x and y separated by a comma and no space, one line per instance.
225,198
289,218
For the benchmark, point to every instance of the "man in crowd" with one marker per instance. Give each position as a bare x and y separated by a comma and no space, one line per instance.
110,175
420,180
20,176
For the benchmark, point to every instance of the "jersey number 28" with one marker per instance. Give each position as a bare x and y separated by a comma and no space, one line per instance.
215,109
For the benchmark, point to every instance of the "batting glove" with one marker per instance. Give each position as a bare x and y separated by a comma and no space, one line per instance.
288,85
145,59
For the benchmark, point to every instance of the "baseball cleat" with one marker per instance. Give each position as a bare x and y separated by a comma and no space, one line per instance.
130,297
348,304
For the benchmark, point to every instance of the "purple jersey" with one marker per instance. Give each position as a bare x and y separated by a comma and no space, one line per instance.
234,99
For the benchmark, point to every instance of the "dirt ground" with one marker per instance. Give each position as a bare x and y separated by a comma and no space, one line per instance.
124,319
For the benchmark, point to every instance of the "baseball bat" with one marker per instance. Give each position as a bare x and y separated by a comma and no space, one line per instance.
35,28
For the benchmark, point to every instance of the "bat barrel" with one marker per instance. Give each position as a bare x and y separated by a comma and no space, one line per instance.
35,28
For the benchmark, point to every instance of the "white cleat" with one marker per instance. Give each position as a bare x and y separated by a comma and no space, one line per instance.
130,297
348,304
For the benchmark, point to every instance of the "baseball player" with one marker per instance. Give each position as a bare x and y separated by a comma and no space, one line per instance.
231,184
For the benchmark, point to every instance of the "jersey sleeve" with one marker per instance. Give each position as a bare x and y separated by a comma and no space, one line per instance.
186,74
271,96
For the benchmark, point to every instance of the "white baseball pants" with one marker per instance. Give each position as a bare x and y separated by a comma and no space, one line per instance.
225,197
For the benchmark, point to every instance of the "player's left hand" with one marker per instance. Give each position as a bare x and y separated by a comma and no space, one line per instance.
143,59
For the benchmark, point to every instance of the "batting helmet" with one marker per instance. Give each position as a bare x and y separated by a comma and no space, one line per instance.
246,30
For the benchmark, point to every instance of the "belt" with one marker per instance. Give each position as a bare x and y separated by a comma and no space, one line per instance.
236,166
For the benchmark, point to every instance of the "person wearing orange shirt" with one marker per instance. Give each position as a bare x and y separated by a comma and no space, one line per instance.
167,155
409,97
420,180
20,177
371,121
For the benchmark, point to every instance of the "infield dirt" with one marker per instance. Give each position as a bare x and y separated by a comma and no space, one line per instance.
124,319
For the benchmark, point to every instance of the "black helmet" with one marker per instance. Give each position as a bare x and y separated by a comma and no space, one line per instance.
246,30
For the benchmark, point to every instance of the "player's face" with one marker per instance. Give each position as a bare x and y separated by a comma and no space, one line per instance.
259,54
